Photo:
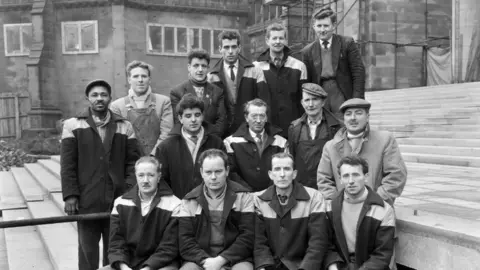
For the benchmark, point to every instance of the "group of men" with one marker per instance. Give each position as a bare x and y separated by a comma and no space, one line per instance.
244,166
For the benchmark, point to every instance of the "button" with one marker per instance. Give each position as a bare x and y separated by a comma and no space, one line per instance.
258,168
255,150
101,158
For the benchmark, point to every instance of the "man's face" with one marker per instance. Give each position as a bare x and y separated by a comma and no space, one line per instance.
230,50
214,173
276,41
99,98
191,120
353,178
282,173
139,80
256,118
323,28
198,69
356,120
312,104
147,177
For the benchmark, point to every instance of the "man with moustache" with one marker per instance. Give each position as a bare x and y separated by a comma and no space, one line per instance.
334,62
197,84
251,147
216,220
291,228
179,152
308,134
238,77
284,75
387,170
144,223
98,155
149,113
363,224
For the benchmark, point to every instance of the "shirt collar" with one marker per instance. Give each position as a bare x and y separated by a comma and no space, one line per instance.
149,200
311,122
219,196
188,136
329,42
227,66
254,135
132,94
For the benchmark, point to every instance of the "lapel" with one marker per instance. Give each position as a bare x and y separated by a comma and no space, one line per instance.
203,202
337,224
317,49
110,132
336,50
189,88
240,71
230,197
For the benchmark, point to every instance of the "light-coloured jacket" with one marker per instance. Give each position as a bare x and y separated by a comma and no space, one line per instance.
386,168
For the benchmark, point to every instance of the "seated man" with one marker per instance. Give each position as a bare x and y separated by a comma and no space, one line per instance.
291,229
216,223
359,218
144,223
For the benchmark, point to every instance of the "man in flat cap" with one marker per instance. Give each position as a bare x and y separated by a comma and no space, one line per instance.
308,134
387,170
98,155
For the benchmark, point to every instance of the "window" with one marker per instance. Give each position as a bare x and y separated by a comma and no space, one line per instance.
179,40
17,38
80,37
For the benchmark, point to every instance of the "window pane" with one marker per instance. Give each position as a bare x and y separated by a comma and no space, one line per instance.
27,38
206,39
194,38
71,37
88,37
155,38
182,40
169,39
13,39
216,44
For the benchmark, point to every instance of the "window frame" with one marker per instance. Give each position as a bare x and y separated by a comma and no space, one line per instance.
79,31
5,42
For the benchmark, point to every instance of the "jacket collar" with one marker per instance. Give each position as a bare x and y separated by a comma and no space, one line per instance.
329,117
340,137
177,129
85,114
162,190
242,62
231,187
270,129
299,193
265,55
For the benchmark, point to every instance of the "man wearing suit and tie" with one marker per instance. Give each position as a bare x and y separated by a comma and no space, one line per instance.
334,62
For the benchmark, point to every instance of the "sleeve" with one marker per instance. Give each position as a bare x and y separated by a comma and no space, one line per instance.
357,70
166,123
117,243
301,81
131,157
262,90
167,250
115,108
332,254
325,177
242,247
190,250
384,243
175,99
394,172
234,172
291,143
306,59
162,157
69,160
318,243
262,254
221,115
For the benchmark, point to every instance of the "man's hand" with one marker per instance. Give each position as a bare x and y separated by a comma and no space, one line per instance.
214,263
71,205
333,266
124,266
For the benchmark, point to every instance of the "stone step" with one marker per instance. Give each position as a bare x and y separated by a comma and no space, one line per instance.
440,142
442,159
56,158
30,189
51,166
60,239
24,246
419,121
464,88
442,169
441,150
10,195
426,127
417,100
380,106
57,199
433,109
3,250
439,134
47,180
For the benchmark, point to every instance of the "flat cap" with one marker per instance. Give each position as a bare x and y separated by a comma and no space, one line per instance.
355,103
314,89
94,83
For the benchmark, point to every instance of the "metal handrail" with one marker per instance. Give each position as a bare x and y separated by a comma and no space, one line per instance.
51,220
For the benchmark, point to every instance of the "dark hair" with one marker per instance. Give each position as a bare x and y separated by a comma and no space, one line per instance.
189,101
256,102
230,35
354,161
149,159
140,64
275,27
323,13
198,53
212,153
282,155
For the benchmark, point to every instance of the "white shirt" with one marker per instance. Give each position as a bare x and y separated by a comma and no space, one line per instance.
146,204
226,68
254,135
191,145
329,43
313,126
139,100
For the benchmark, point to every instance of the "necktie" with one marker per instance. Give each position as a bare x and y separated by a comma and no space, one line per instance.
282,198
232,74
258,140
325,44
194,138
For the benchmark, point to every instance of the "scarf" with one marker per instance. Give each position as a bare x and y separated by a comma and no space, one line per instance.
197,83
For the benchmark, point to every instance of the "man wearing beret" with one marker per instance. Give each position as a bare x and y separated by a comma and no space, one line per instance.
387,170
308,134
98,154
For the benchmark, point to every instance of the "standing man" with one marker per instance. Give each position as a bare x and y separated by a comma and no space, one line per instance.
217,220
334,62
98,155
251,147
149,113
363,224
179,153
388,173
308,134
197,84
238,77
284,75
291,229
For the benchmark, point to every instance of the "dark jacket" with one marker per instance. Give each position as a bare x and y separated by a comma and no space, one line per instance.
94,171
149,240
250,85
285,87
214,111
238,221
179,170
375,234
296,236
247,166
346,62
